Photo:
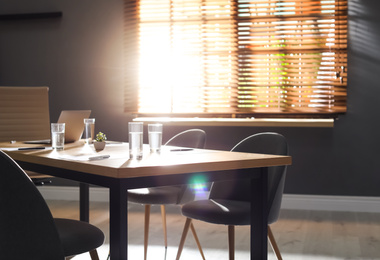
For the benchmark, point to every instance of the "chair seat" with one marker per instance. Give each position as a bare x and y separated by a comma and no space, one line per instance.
229,201
218,211
158,195
78,237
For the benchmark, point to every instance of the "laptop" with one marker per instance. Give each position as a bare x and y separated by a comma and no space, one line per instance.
74,125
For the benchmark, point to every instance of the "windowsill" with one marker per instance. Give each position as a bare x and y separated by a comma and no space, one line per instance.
260,122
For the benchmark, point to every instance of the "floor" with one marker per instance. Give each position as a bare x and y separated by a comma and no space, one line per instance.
301,234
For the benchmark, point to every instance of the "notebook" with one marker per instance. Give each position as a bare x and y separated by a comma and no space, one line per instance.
74,125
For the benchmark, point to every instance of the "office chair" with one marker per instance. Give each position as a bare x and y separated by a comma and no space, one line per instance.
24,116
229,202
194,138
28,230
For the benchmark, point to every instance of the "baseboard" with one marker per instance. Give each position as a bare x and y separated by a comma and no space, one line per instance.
290,201
331,203
72,193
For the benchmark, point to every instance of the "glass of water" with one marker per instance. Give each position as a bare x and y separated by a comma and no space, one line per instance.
57,136
155,137
89,130
135,140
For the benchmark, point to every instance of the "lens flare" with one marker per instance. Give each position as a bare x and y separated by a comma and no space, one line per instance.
198,184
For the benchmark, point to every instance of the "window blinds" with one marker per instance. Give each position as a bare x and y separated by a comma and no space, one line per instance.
236,58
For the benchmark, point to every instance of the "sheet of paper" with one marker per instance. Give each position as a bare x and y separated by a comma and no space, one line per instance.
83,157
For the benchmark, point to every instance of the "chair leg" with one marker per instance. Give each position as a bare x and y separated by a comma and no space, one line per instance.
231,242
94,255
197,240
273,243
183,238
146,230
163,215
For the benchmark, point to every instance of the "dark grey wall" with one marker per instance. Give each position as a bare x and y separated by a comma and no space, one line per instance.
80,57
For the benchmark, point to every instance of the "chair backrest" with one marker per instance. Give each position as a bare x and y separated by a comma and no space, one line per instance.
266,143
194,138
27,229
24,113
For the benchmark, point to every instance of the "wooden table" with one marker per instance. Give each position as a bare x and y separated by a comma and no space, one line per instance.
118,173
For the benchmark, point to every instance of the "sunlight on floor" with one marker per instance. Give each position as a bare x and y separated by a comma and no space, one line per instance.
158,253
301,235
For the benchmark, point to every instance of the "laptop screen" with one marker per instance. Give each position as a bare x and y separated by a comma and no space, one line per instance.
74,123
74,126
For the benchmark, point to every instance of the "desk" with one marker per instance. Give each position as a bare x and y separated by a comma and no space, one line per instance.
118,173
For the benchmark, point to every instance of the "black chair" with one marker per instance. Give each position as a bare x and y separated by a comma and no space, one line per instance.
27,228
194,138
228,201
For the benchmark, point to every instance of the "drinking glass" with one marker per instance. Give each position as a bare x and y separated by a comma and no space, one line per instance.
155,137
135,140
89,130
57,136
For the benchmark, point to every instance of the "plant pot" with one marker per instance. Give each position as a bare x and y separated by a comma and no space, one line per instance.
99,145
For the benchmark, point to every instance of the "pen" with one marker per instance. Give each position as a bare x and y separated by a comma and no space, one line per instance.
31,148
99,157
181,150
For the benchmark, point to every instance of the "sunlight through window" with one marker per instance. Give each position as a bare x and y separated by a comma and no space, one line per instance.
236,57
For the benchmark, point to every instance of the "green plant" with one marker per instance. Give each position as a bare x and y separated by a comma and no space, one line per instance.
100,137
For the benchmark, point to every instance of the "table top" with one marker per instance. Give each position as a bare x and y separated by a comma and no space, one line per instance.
75,156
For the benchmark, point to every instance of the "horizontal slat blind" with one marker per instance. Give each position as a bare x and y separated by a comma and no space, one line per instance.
236,57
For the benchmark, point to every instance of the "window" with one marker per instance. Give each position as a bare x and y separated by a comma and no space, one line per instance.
236,58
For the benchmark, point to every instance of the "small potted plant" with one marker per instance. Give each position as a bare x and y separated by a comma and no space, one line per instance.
100,141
